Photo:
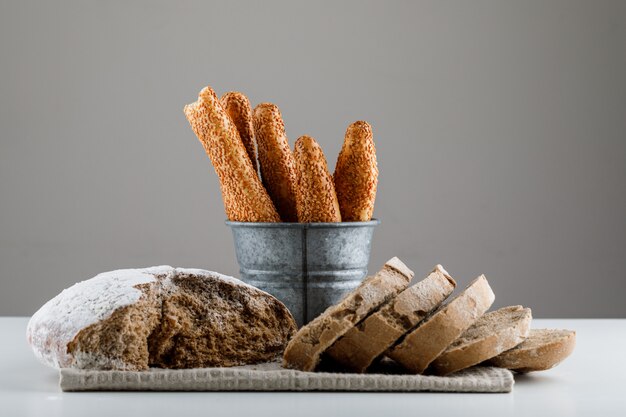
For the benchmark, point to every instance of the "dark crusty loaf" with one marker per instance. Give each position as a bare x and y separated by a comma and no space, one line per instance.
433,335
167,317
543,349
493,333
304,350
365,342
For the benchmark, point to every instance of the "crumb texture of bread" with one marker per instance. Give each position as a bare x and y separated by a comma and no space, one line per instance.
418,348
316,199
278,167
369,339
492,334
543,349
356,174
238,108
160,317
305,349
214,323
245,198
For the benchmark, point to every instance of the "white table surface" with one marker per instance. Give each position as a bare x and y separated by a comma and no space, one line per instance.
592,382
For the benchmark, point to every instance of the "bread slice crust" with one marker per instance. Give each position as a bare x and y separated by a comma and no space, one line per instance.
492,334
304,350
365,342
543,349
433,335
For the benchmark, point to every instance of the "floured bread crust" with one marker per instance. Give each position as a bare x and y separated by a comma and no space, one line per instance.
162,316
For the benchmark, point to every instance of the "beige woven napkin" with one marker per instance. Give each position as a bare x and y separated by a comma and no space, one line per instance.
272,377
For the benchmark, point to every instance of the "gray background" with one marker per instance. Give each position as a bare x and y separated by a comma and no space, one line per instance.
500,129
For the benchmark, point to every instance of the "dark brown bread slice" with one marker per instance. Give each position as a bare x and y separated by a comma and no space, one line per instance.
543,349
493,333
433,335
304,350
363,343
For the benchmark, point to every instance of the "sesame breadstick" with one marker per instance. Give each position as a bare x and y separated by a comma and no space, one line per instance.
315,195
238,108
245,199
278,168
356,174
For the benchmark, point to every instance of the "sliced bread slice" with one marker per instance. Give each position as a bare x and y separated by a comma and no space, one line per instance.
543,349
366,341
304,349
433,335
493,333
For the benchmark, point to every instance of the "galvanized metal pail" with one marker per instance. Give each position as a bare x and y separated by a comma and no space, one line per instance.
308,266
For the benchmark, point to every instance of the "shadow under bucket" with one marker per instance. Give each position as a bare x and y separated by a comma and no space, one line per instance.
307,266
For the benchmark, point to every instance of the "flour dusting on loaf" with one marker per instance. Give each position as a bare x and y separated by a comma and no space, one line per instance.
159,316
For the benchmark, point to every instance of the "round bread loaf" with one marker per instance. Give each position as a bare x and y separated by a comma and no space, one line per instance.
132,319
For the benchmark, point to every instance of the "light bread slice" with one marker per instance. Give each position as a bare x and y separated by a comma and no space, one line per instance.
543,349
363,343
304,349
493,333
433,335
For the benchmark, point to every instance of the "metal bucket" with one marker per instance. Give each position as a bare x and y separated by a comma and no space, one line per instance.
308,266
